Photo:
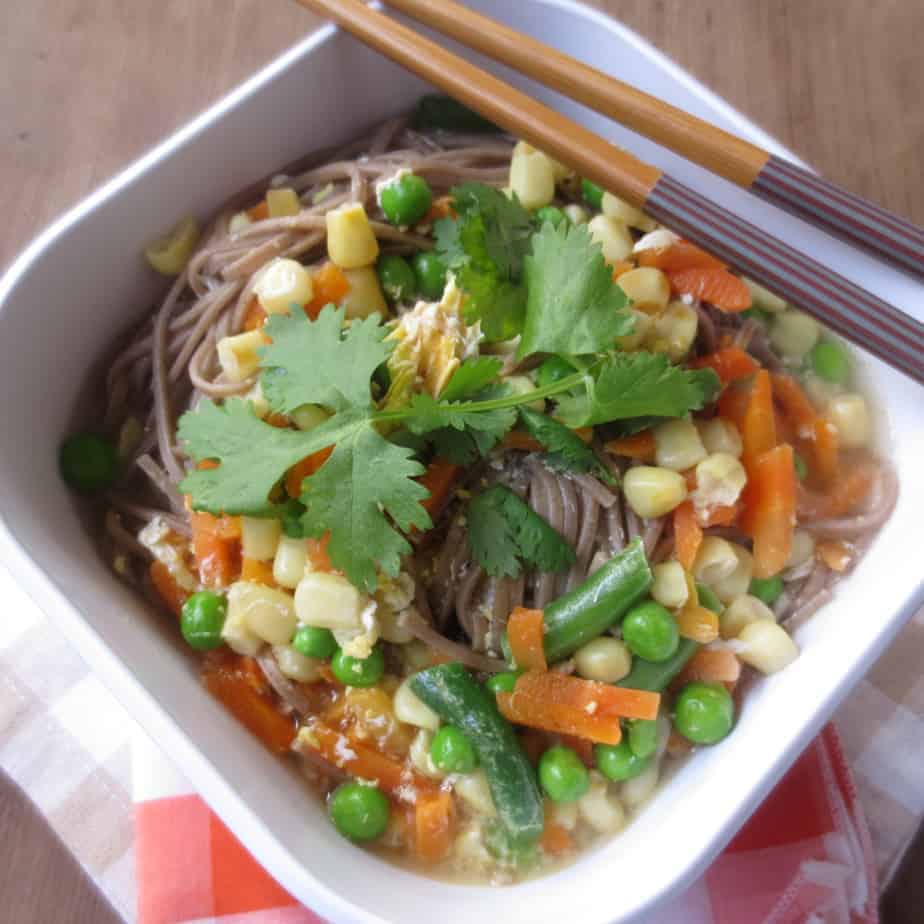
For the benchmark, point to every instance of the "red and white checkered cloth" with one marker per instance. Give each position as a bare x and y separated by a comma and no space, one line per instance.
160,855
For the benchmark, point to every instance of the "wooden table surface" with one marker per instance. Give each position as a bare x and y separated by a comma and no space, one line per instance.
88,85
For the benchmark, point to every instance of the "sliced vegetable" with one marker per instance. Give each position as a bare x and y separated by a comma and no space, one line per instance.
688,535
770,509
451,692
439,479
588,696
719,287
698,623
729,364
596,605
710,666
680,255
767,590
167,587
307,467
434,817
562,718
646,675
639,446
843,496
330,285
525,630
216,548
795,403
758,430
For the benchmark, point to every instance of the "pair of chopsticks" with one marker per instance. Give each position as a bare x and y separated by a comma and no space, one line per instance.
859,316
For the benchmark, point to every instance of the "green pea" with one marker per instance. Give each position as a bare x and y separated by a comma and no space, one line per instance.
430,271
202,619
551,214
359,812
314,642
88,463
642,735
830,361
552,370
704,712
406,199
800,466
650,631
503,682
358,672
619,762
767,589
562,775
708,598
452,752
593,194
396,278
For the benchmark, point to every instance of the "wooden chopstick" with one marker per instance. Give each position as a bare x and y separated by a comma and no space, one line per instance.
772,178
859,316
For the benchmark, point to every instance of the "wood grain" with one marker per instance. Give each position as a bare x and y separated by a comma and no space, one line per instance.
86,86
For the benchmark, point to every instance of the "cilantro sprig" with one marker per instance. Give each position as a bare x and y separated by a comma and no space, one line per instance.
504,534
565,451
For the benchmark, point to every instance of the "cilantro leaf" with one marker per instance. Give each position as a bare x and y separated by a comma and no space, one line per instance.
366,480
503,532
471,377
321,362
638,385
253,456
426,414
485,247
565,450
574,307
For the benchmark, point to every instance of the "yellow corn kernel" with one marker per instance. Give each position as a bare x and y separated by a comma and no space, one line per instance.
794,334
659,239
741,612
715,560
365,294
613,236
419,755
238,356
576,214
677,445
523,385
235,632
260,537
640,331
763,298
600,808
739,580
309,416
674,330
290,562
605,658
329,601
239,221
169,255
282,286
802,549
850,416
720,435
669,587
653,492
638,790
258,401
474,790
532,176
614,207
720,478
295,665
410,708
648,288
351,241
282,202
268,613
767,646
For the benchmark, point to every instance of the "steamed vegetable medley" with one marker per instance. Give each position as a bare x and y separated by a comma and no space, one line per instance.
488,493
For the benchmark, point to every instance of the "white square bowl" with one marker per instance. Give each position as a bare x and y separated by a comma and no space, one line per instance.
82,282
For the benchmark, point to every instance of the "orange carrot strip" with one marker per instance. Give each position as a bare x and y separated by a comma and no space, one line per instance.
259,212
621,267
217,553
687,534
317,553
697,623
733,404
301,470
167,588
837,555
710,667
434,818
825,451
555,839
844,495
720,515
440,208
255,317
719,287
639,446
330,286
260,572
363,761
795,403
439,479
770,509
681,255
525,630
729,364
758,430
228,683
518,439
558,717
602,699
